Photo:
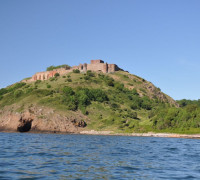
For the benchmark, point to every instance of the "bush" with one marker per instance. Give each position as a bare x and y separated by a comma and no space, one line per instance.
18,93
134,92
76,71
86,78
72,104
134,106
3,91
115,106
16,86
48,86
83,99
146,103
43,92
68,91
63,76
29,90
99,95
130,97
52,79
119,86
90,73
110,82
133,115
69,80
56,75
1,97
50,68
38,81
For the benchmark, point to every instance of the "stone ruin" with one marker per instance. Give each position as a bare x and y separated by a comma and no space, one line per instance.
95,65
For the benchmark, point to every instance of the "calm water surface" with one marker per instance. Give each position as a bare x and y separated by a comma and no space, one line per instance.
51,156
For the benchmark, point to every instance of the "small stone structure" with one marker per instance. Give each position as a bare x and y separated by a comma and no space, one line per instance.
95,65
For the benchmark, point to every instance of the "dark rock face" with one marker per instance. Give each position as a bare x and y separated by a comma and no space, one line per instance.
79,123
25,125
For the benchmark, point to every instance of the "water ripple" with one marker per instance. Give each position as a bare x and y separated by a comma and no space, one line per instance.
50,156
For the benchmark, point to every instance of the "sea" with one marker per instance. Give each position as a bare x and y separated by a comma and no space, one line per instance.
85,157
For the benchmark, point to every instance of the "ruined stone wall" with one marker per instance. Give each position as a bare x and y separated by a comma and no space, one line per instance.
95,65
48,74
98,61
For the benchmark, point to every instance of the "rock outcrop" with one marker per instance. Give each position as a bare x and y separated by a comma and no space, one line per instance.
41,119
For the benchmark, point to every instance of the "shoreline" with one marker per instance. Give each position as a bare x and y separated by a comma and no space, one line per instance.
111,133
149,134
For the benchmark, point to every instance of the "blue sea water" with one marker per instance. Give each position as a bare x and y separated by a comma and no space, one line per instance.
56,156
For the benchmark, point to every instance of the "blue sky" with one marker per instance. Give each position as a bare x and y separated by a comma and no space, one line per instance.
158,40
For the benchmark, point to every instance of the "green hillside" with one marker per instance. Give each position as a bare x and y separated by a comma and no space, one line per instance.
120,102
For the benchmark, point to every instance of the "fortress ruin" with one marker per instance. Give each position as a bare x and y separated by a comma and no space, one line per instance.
95,65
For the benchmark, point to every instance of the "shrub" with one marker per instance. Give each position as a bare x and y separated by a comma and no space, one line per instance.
38,81
27,86
48,86
18,93
50,68
115,106
43,92
125,76
29,90
134,106
76,71
110,82
99,95
90,73
68,91
86,78
119,86
83,97
130,97
134,92
56,75
69,80
52,79
133,115
16,86
191,107
1,97
72,104
63,76
3,91
146,103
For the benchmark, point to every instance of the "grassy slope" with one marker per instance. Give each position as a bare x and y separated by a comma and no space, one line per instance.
119,113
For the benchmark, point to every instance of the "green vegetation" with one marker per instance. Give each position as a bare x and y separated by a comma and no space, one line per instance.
50,68
120,102
76,71
56,75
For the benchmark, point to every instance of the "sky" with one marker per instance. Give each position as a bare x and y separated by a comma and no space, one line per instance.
158,40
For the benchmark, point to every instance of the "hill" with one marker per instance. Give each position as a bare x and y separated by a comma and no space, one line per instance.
77,101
